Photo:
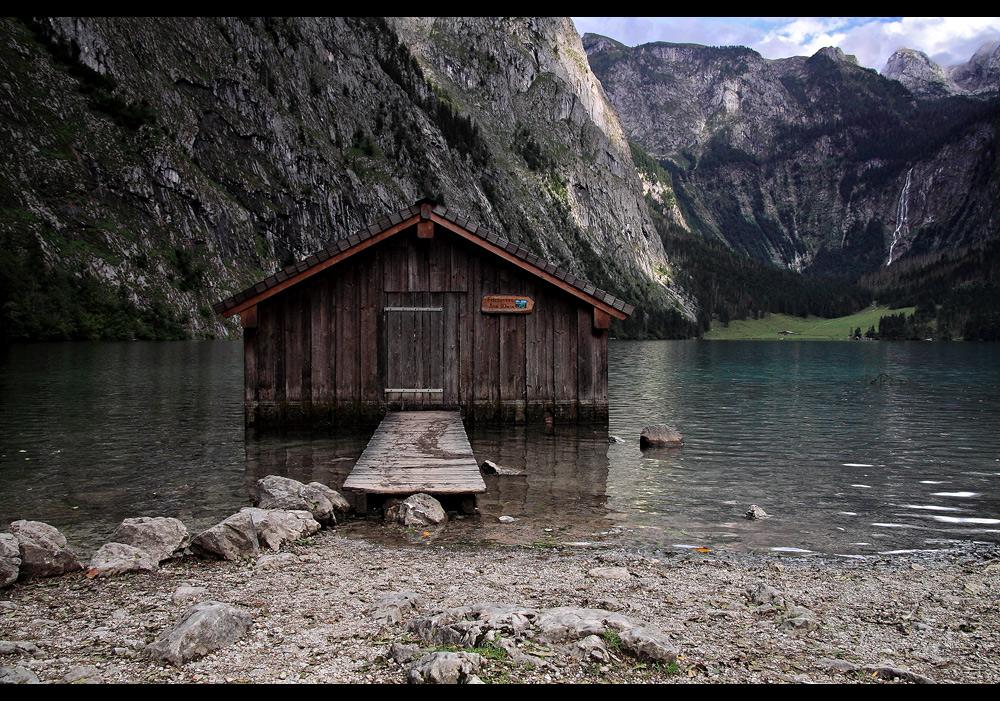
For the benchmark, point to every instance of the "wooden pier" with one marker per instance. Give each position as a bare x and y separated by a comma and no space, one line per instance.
418,451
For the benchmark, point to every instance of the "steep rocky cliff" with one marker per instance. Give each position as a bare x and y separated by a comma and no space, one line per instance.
813,163
153,166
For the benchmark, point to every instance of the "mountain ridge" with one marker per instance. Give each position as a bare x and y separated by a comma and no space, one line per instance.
812,163
156,165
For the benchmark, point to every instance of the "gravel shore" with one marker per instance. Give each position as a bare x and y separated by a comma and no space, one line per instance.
318,613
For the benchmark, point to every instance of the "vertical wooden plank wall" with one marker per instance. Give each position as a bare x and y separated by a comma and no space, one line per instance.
321,351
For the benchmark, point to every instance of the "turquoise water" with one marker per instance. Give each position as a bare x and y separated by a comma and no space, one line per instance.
840,465
91,433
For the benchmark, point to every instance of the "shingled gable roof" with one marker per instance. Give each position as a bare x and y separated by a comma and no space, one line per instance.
404,219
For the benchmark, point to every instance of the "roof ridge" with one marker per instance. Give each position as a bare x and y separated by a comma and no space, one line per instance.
343,244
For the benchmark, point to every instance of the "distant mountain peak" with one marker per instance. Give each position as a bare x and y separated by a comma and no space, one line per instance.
599,42
836,54
918,73
981,73
925,78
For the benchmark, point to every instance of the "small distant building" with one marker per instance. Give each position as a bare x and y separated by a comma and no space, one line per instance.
424,310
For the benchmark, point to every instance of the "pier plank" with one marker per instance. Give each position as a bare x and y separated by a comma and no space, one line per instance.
418,451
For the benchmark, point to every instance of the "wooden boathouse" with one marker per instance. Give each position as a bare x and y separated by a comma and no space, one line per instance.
424,310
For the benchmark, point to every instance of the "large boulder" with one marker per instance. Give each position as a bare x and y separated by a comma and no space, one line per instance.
117,558
660,436
274,492
202,629
416,511
276,527
10,559
43,550
232,539
159,536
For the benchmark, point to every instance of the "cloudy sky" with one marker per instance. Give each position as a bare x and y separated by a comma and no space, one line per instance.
947,40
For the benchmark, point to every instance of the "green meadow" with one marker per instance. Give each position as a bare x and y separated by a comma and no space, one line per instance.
812,328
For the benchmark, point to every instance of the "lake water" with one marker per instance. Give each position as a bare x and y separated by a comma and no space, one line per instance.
91,433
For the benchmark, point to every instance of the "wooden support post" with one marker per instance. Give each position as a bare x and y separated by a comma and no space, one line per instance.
248,317
602,320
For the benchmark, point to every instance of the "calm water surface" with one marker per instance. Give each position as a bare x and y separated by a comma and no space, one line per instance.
91,433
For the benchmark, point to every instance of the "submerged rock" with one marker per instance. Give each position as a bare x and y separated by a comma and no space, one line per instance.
755,512
491,468
660,436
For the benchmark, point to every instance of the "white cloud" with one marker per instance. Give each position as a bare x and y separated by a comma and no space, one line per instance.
947,40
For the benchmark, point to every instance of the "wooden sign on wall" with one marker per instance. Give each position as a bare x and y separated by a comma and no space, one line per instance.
507,304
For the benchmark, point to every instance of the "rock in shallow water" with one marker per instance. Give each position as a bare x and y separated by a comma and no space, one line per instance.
275,492
43,550
276,527
417,510
233,539
660,436
117,558
10,559
159,536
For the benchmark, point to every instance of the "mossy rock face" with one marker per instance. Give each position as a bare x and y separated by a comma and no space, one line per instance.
150,179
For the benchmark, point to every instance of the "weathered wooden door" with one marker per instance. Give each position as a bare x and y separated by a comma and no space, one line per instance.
418,373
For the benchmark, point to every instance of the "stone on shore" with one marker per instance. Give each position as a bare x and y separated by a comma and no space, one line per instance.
660,436
276,527
445,668
647,644
609,573
43,550
590,649
113,559
275,492
186,594
394,607
202,629
417,510
84,674
159,536
17,675
233,539
566,623
801,619
10,559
